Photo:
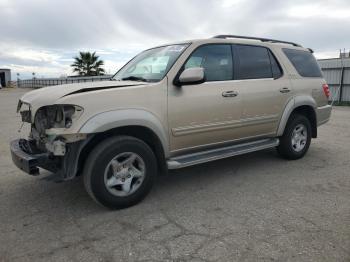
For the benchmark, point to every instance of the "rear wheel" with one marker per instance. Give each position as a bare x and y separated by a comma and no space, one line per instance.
120,172
296,139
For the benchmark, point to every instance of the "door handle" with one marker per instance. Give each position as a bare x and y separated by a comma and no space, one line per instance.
229,94
284,90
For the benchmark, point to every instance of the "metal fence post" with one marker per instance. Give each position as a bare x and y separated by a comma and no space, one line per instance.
341,84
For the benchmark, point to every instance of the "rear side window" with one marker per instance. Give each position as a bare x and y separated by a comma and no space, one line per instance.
304,62
275,67
216,61
253,62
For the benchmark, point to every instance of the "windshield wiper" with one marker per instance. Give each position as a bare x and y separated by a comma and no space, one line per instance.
135,78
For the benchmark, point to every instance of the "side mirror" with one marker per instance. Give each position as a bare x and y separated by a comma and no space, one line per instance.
192,76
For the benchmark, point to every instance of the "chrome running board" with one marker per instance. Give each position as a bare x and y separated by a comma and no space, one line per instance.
219,153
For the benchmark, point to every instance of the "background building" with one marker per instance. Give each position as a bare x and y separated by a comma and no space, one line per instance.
337,74
5,77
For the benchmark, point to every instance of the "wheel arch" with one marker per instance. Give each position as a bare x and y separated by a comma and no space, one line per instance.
138,123
141,132
106,121
304,105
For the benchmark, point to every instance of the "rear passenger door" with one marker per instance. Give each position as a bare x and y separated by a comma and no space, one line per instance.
263,88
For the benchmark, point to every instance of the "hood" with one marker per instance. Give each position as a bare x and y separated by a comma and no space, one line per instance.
49,95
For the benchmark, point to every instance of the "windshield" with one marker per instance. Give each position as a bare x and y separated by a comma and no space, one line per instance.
151,65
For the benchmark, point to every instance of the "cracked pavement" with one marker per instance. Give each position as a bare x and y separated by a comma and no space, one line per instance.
255,207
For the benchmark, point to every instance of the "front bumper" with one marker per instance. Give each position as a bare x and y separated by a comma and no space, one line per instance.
323,114
28,159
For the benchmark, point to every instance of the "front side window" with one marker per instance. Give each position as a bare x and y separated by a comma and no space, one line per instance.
253,62
304,62
151,65
216,61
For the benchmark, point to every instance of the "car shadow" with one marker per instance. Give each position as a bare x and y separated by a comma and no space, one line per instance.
48,191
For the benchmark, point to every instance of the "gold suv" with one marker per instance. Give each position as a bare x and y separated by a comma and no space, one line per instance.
174,106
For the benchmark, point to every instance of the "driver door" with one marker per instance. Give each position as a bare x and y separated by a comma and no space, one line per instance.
206,114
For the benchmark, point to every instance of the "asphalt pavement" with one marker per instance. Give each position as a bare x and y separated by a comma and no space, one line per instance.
255,207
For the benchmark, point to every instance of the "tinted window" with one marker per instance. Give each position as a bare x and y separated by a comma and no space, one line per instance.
216,61
304,62
253,62
276,68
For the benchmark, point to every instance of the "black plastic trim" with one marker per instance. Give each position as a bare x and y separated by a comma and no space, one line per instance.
257,38
28,159
84,90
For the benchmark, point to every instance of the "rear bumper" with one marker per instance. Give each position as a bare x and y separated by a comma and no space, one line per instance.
28,160
323,114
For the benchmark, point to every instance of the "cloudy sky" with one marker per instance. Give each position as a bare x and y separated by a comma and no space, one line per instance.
42,36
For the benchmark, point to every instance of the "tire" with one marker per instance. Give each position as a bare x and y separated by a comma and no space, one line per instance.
116,185
297,148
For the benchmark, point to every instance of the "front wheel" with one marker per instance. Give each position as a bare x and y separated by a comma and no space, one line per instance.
296,139
120,172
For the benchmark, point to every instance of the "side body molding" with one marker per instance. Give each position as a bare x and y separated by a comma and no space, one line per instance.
127,117
302,100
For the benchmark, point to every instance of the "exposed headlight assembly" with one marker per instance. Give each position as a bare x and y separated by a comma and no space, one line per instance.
56,116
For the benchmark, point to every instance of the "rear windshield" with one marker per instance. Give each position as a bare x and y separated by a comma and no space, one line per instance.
304,62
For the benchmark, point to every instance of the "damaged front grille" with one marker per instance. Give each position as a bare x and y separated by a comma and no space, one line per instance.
25,111
26,116
29,147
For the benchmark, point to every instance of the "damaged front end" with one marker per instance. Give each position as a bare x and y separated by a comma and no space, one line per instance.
49,145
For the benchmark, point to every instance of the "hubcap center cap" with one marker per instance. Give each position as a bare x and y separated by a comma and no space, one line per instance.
123,173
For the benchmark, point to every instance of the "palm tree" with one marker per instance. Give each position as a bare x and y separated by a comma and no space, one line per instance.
88,64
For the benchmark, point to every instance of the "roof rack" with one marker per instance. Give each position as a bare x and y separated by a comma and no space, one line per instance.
256,38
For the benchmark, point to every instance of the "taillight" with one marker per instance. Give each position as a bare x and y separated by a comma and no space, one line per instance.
326,90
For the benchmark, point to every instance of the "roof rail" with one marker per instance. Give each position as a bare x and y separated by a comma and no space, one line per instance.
256,38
